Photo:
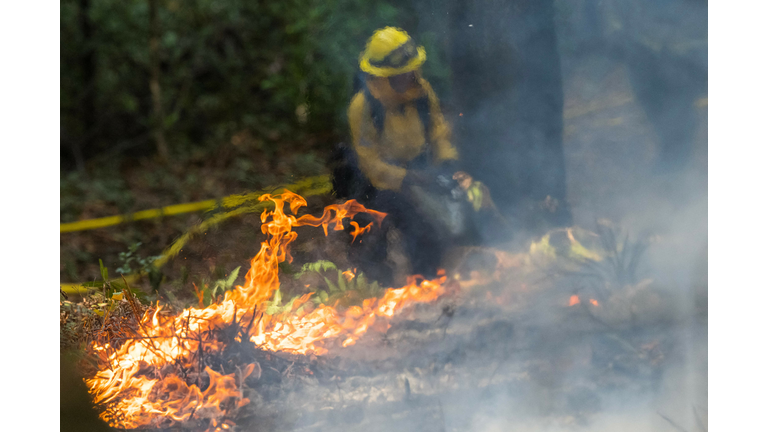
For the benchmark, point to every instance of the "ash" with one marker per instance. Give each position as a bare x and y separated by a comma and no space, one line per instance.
510,354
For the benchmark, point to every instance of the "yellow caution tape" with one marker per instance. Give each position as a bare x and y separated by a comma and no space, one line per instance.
308,187
311,186
78,288
227,202
144,214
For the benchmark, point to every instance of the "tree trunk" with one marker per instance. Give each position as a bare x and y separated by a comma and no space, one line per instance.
88,99
508,86
158,113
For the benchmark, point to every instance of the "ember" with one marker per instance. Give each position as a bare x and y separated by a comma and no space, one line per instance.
574,300
157,378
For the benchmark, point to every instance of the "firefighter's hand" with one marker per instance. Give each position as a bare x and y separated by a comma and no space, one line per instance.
463,179
475,191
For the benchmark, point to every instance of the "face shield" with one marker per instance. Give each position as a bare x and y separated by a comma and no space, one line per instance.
403,82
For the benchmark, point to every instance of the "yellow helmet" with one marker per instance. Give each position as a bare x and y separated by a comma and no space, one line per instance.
390,51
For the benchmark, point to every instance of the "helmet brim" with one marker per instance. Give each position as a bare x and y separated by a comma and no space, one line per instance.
385,72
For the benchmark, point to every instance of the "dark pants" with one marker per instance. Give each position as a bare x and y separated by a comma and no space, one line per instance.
421,243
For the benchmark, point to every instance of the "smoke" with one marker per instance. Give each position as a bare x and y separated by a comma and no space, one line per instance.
633,80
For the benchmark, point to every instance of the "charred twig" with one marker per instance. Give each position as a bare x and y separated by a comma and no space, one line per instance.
448,311
124,338
135,309
200,359
186,325
288,369
132,301
407,390
104,322
246,331
674,425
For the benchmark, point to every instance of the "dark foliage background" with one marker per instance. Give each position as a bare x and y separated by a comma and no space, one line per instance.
279,71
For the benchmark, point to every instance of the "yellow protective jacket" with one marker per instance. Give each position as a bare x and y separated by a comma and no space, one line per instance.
383,154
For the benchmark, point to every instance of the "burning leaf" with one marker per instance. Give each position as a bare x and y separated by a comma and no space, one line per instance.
274,307
348,275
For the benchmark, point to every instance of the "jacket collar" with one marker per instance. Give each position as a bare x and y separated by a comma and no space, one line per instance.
383,92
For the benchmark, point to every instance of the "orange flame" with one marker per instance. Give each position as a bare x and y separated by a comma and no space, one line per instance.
348,275
157,378
574,300
357,230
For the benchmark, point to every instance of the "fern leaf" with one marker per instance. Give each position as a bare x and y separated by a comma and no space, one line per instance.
231,278
315,267
333,288
342,282
104,272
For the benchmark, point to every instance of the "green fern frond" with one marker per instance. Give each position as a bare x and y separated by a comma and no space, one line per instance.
315,267
333,288
342,282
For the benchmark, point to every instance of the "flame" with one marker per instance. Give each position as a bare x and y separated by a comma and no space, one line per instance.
349,274
575,301
159,377
356,231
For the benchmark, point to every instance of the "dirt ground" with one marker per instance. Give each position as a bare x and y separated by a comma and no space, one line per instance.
527,365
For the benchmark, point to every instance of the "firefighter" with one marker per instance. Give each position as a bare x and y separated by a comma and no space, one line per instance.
397,128
402,158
